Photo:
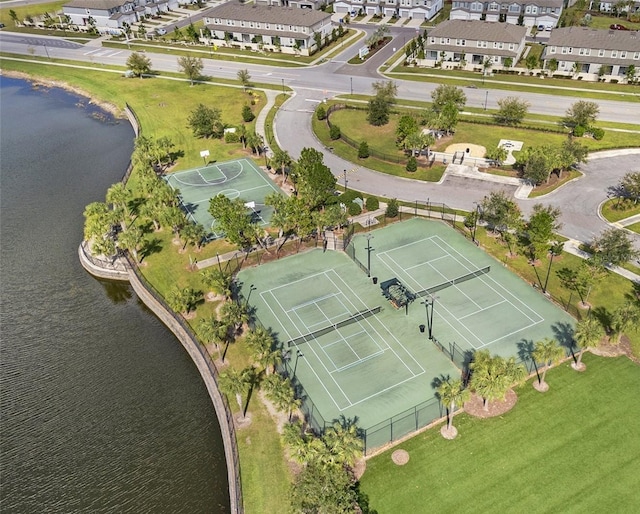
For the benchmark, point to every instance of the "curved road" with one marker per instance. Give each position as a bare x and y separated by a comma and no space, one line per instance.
578,200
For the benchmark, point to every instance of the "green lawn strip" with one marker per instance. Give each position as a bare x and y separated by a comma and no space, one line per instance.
572,449
634,228
180,49
581,89
162,106
544,189
615,210
603,22
349,153
263,469
268,123
22,11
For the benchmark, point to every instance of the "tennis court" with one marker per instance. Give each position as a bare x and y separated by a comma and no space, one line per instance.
240,178
353,351
477,302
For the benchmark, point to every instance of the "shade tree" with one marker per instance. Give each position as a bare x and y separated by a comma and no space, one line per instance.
582,113
206,122
613,247
191,66
511,111
139,64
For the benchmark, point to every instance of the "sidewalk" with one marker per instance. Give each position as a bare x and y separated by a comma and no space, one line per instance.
573,247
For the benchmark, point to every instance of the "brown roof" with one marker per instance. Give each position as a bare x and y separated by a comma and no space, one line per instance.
475,30
268,14
583,37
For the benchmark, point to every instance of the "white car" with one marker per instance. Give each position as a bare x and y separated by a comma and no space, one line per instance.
161,31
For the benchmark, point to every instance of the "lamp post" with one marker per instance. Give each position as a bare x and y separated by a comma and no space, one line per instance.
486,95
295,366
369,237
431,304
283,86
251,289
475,221
351,78
556,249
345,180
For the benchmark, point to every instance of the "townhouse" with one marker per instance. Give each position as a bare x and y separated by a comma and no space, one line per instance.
531,13
109,16
607,54
469,44
415,9
265,27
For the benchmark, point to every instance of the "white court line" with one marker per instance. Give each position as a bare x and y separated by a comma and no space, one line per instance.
425,262
314,301
483,309
366,320
265,180
408,244
313,350
484,278
93,51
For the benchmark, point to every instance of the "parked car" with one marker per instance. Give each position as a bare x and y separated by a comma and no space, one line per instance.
617,26
161,31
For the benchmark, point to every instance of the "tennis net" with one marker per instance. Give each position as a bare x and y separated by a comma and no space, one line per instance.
453,282
359,316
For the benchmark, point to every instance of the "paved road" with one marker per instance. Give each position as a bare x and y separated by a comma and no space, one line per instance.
578,200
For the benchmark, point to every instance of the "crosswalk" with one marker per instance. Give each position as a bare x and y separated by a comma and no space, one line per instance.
104,52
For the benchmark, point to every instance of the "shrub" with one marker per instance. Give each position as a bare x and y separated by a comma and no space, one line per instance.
349,196
334,132
579,130
354,209
412,164
247,114
231,137
392,208
363,150
372,203
321,112
597,133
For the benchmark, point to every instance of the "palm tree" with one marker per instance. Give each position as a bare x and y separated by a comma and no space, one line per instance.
182,299
623,318
493,376
235,314
218,281
588,333
452,393
132,239
234,382
547,352
244,77
280,391
259,341
281,159
343,442
119,196
214,331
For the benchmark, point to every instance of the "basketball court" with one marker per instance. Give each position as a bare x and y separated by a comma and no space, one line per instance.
240,178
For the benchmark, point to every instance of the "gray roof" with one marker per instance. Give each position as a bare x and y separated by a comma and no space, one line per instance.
268,14
97,4
505,5
583,37
475,30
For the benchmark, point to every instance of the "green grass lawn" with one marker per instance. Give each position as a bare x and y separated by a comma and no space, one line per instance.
22,11
572,449
614,210
634,228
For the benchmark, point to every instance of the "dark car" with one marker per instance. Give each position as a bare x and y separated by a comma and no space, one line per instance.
617,26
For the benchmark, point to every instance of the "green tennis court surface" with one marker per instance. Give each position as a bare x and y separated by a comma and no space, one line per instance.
353,353
240,178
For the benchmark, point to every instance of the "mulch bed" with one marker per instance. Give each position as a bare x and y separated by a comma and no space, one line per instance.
475,408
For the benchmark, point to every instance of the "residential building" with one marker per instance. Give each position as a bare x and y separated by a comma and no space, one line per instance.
267,28
616,6
302,4
531,13
415,9
469,44
109,16
597,53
